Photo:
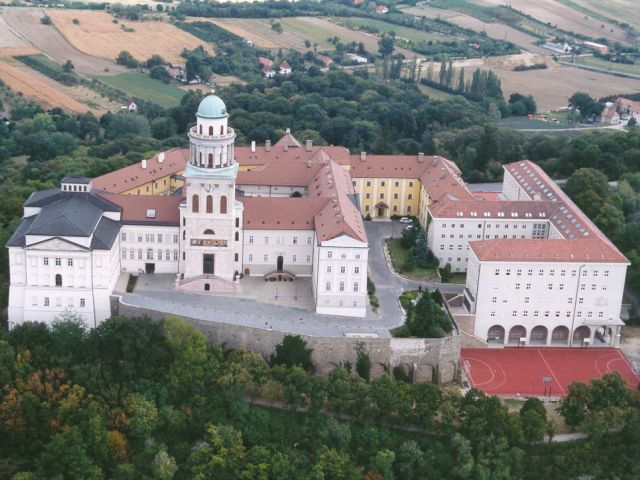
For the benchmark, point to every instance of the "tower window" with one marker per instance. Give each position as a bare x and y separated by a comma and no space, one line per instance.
211,131
210,162
209,204
200,131
195,204
58,280
223,204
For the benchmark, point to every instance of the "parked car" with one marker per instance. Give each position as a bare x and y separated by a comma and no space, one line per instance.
406,220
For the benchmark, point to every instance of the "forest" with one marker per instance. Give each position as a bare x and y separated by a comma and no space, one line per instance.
136,399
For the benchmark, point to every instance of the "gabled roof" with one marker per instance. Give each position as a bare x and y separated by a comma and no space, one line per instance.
67,217
280,213
134,175
288,139
147,209
493,209
293,174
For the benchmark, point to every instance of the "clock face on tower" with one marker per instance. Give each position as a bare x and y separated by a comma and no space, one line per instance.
207,187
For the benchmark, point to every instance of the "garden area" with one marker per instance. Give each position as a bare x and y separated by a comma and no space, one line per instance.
425,317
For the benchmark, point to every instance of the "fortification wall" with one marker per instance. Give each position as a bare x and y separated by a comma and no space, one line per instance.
428,359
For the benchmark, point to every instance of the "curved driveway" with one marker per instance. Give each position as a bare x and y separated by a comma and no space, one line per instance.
241,311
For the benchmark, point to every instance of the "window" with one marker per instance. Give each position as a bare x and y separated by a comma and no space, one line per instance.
327,286
308,240
497,271
410,196
237,222
356,270
149,237
46,261
237,236
528,286
69,262
46,301
251,257
223,204
195,203
124,253
308,258
132,254
526,299
235,257
250,238
550,286
342,286
149,254
160,255
175,238
175,255
167,255
294,258
561,286
295,240
159,238
266,240
343,269
382,195
328,268
382,183
58,280
123,236
82,302
209,204
355,286
494,299
58,262
266,258
329,254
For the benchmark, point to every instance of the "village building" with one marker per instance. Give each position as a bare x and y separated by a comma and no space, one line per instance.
285,68
609,115
628,108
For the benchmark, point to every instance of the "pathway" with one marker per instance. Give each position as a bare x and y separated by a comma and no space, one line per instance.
251,313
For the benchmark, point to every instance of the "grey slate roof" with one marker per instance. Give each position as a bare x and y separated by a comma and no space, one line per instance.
66,214
105,234
72,179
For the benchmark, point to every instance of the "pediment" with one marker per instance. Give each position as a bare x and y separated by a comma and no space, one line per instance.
56,243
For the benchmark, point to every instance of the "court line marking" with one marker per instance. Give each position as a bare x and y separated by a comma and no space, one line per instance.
499,366
551,370
626,360
490,371
602,358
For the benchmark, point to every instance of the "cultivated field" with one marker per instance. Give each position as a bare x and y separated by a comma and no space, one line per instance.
623,10
140,85
296,31
97,35
412,34
613,67
46,91
46,38
552,87
564,17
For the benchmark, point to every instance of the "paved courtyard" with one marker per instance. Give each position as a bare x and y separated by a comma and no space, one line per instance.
287,306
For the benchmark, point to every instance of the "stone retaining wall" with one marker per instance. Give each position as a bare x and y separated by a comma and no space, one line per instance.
428,359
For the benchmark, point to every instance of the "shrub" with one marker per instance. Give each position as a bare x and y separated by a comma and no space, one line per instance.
293,351
76,21
131,283
363,362
46,20
371,287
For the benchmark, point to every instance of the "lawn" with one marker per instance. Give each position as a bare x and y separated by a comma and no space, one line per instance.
399,256
411,34
142,86
609,66
458,277
434,93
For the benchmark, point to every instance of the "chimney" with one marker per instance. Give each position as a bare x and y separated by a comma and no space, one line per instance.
308,163
161,157
288,131
442,173
267,145
143,164
253,146
363,156
536,197
285,147
308,145
420,157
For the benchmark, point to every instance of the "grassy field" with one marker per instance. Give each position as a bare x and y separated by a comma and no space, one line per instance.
399,256
142,86
612,67
411,34
435,93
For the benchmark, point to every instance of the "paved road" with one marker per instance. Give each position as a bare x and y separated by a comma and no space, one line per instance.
251,313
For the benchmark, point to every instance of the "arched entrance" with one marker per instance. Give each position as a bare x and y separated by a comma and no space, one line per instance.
496,335
538,335
381,209
516,333
207,287
560,335
580,334
280,263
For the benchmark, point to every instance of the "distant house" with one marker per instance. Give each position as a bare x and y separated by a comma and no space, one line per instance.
357,3
248,41
562,49
609,116
381,9
285,68
326,61
130,106
357,58
268,72
176,71
597,47
628,107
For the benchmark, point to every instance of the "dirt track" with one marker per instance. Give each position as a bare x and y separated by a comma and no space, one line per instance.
26,23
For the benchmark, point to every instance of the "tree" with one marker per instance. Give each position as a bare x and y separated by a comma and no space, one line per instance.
409,261
574,407
422,260
126,59
589,189
584,103
68,66
445,273
154,61
162,127
363,361
533,418
65,456
293,351
220,457
46,20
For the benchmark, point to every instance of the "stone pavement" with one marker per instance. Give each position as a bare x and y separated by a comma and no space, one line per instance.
156,293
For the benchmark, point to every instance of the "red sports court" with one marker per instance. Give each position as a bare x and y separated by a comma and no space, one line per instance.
541,371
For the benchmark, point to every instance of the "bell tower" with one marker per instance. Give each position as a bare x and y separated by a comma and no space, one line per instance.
210,216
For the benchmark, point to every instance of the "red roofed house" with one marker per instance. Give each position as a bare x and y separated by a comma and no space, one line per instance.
285,68
382,9
609,114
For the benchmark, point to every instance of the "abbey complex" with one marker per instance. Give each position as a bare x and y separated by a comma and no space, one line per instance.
212,214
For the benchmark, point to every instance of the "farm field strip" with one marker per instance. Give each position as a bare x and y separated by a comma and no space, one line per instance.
142,86
613,67
97,35
23,79
411,34
563,17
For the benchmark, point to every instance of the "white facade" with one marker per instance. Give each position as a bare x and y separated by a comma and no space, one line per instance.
149,248
268,250
548,303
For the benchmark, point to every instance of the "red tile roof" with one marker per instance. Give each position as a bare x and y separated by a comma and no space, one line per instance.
136,208
548,250
288,139
494,209
292,174
244,155
133,176
276,213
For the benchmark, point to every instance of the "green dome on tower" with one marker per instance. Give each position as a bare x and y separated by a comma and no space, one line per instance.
212,106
